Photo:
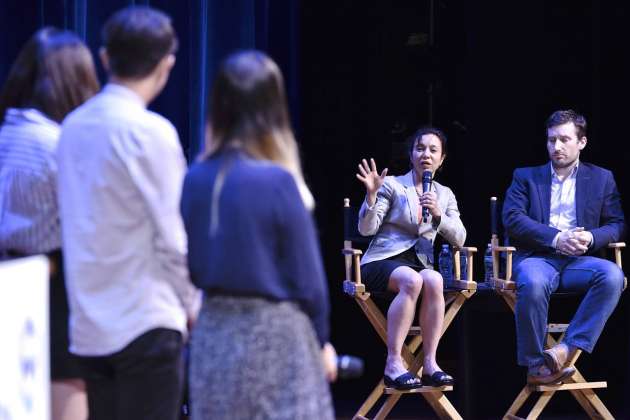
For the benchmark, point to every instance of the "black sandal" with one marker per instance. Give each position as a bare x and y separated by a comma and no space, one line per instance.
404,382
438,378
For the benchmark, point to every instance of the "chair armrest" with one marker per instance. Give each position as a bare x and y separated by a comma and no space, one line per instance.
496,250
352,258
465,248
469,250
617,245
504,248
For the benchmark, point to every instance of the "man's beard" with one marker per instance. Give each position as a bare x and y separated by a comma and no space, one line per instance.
561,165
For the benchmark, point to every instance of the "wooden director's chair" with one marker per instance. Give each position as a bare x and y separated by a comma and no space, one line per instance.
412,353
577,385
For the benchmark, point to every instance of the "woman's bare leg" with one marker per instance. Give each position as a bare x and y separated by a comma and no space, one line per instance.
408,284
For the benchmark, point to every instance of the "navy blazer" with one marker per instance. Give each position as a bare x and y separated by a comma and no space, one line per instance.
528,202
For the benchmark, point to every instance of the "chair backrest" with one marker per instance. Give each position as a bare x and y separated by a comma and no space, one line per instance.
351,238
498,239
497,230
351,225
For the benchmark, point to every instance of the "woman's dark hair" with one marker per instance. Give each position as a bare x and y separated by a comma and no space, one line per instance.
248,110
248,102
567,116
417,136
136,38
54,73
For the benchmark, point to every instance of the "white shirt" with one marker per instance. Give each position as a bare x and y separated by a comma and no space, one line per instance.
562,214
121,170
29,219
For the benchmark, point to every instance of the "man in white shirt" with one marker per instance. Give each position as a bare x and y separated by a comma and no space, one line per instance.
558,215
120,174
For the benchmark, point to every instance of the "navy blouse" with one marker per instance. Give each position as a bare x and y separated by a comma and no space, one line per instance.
257,239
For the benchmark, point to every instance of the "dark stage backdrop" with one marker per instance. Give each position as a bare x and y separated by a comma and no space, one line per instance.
361,76
207,30
489,74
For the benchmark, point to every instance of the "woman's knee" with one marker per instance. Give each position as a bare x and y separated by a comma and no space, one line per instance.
433,282
406,280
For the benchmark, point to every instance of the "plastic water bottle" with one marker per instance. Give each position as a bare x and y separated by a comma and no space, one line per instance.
445,261
487,264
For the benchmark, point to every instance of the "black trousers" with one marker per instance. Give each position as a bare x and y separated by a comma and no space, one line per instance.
142,381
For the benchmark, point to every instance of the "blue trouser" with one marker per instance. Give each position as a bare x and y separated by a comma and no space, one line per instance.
538,276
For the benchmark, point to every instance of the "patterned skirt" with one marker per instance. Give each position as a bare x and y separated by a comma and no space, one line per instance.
251,358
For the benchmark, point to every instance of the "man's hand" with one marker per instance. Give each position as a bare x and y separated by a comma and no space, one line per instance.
584,236
574,242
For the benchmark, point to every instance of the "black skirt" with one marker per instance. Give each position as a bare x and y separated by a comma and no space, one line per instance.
375,275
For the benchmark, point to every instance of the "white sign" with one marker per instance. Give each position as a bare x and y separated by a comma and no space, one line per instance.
24,353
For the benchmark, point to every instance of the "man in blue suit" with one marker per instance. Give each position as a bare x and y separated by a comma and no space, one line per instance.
557,216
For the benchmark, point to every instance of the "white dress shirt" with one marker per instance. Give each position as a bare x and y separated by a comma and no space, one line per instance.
121,169
29,219
562,214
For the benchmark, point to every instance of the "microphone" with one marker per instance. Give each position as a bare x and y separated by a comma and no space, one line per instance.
426,184
349,367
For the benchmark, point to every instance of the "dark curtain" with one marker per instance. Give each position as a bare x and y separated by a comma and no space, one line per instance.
208,30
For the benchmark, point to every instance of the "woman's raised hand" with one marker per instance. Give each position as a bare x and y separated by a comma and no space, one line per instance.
369,176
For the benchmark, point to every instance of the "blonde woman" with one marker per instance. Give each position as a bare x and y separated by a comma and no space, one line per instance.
260,346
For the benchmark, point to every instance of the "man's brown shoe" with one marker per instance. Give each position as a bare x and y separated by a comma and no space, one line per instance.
551,378
556,357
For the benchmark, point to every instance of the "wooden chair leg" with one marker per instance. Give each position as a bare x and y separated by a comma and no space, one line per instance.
586,397
413,356
371,400
437,400
540,405
375,317
387,406
441,405
518,402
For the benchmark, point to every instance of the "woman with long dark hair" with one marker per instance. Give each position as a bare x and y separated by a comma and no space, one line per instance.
260,346
52,75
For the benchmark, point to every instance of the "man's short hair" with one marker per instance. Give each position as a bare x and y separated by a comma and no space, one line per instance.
136,39
567,116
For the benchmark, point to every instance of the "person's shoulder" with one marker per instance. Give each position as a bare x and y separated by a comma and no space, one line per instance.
155,120
529,171
148,129
263,172
441,187
38,129
158,124
398,181
269,182
78,114
197,169
197,175
595,169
